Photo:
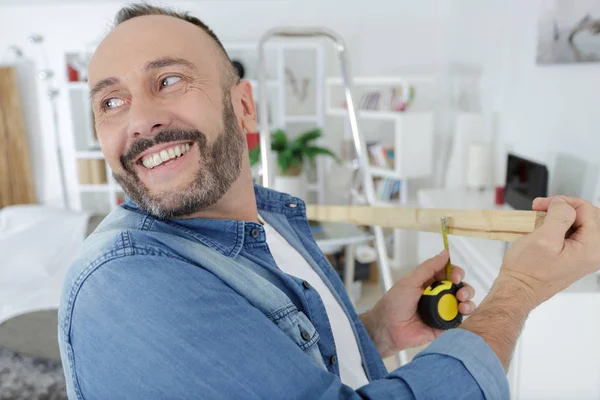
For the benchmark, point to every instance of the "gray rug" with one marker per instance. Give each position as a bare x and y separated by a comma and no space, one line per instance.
30,378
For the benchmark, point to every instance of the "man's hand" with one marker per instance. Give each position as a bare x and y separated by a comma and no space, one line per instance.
545,262
535,268
394,324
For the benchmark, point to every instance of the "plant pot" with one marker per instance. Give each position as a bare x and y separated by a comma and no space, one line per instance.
293,185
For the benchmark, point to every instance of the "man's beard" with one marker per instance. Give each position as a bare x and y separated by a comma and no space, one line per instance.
220,166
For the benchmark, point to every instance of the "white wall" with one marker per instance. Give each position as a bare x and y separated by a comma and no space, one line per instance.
547,113
382,36
541,111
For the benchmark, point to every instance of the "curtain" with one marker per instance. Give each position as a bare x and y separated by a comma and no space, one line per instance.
16,183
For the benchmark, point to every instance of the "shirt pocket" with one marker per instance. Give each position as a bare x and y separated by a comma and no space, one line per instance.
296,325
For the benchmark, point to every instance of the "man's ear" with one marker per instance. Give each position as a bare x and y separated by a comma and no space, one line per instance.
246,107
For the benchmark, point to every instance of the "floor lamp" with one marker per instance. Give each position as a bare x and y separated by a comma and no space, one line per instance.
47,75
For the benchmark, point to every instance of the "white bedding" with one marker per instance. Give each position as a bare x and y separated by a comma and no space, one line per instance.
37,244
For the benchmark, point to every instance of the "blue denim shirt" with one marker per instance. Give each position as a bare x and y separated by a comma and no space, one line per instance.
198,309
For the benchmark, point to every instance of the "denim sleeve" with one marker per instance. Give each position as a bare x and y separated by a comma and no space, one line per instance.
149,327
457,365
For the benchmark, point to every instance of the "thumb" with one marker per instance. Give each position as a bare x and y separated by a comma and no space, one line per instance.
558,220
427,269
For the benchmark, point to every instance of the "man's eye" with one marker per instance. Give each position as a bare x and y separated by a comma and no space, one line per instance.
169,80
113,102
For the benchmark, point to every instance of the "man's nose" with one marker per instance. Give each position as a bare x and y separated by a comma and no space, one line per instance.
146,118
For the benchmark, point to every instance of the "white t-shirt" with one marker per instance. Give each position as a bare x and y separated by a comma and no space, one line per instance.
292,263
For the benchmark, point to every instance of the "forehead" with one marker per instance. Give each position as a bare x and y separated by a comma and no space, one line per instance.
139,40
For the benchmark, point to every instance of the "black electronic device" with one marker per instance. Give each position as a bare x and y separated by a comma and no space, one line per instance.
525,180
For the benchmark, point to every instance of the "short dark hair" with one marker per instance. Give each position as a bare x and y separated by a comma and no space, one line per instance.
142,9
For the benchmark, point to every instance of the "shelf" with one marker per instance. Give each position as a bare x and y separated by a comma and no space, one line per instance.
383,80
270,83
370,114
301,118
97,188
94,154
361,199
78,85
385,172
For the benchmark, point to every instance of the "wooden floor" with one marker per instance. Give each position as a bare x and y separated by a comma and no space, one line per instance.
370,294
33,334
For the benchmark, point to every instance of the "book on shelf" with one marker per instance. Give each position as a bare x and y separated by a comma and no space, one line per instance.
396,98
387,189
370,101
382,156
91,171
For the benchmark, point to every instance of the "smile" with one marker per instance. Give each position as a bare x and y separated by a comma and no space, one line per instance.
165,156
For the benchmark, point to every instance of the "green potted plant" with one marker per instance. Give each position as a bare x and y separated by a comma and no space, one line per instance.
291,158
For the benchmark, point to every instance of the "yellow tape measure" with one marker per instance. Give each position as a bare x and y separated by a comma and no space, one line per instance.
438,306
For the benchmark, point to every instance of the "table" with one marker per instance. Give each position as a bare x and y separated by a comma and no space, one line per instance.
334,236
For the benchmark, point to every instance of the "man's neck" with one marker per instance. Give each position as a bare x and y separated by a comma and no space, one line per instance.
239,203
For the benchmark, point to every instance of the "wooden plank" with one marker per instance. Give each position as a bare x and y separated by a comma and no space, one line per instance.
504,225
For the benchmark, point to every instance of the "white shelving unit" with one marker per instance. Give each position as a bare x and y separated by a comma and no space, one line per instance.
80,145
90,154
279,56
410,135
102,194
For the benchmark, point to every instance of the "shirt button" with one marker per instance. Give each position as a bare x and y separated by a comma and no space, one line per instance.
306,285
333,359
292,205
255,232
305,335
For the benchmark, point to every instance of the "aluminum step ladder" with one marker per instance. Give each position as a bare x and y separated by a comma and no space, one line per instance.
362,159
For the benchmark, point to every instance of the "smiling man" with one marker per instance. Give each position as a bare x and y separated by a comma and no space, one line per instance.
203,285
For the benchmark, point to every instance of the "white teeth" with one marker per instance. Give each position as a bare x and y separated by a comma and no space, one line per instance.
148,163
155,159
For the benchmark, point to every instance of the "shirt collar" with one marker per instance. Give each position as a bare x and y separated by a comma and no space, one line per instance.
227,236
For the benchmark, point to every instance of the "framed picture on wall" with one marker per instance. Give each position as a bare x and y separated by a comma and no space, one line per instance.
568,32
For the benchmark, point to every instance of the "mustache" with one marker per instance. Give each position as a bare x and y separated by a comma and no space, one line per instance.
166,136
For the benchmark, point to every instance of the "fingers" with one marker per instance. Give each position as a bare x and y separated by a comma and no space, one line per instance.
465,293
586,212
464,296
428,269
561,216
542,203
456,276
466,307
